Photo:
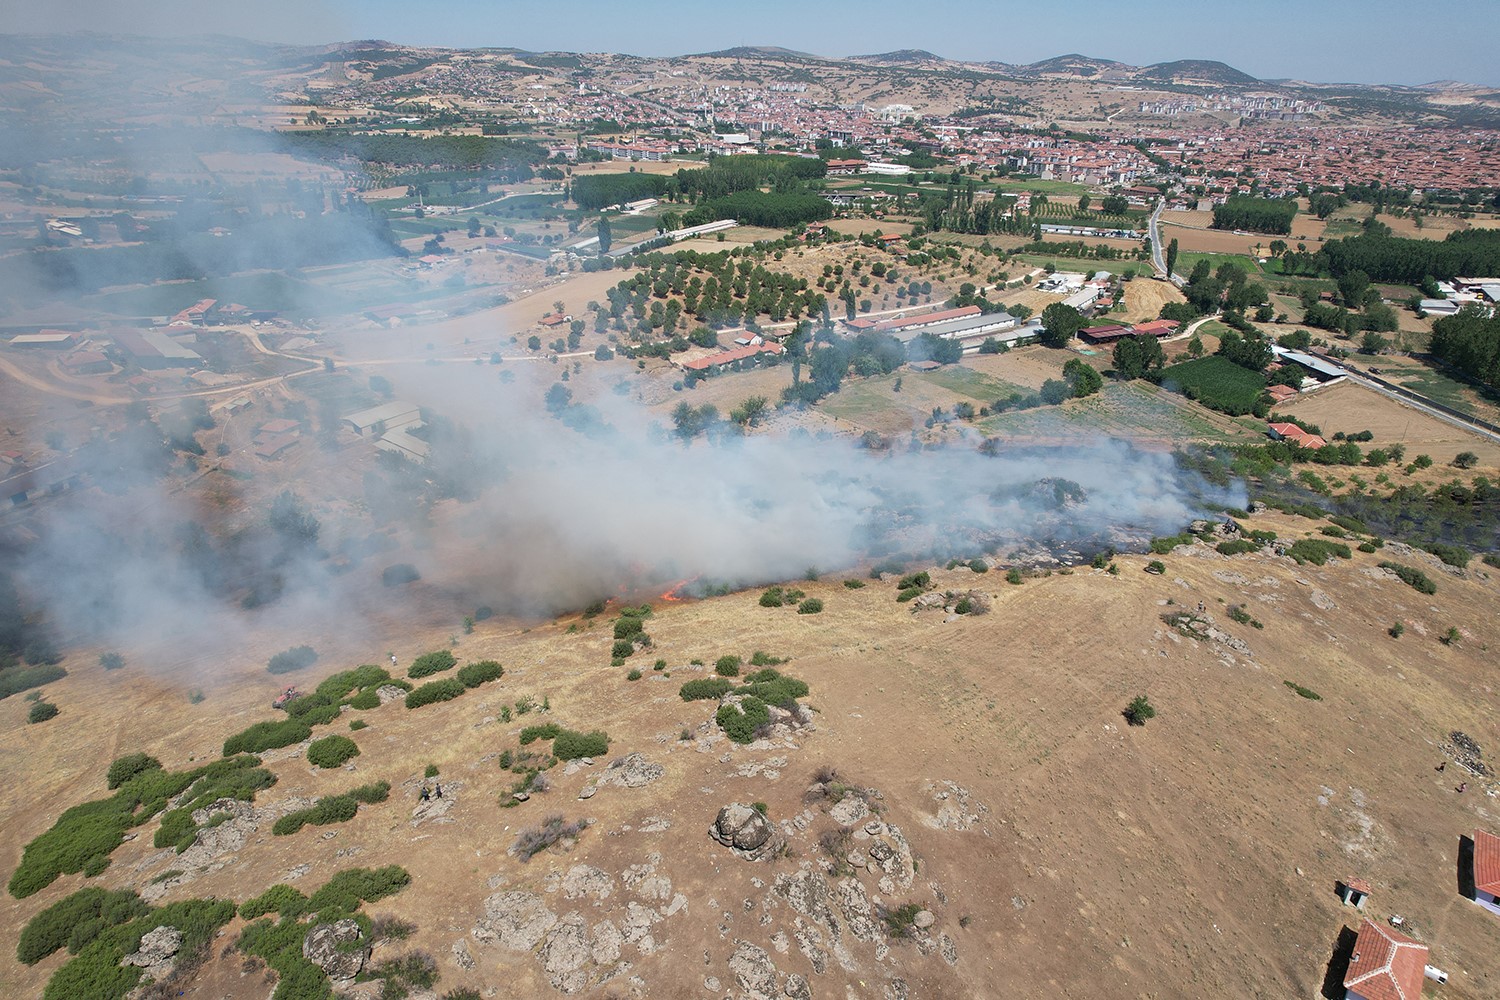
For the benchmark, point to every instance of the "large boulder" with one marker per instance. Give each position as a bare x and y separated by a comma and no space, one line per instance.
632,771
331,948
747,832
157,953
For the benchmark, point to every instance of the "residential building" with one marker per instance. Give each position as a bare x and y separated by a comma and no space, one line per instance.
1386,965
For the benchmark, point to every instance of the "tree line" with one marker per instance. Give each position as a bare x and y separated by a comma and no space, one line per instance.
1258,215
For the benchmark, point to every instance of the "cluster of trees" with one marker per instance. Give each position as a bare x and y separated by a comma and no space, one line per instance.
774,210
717,289
1207,291
595,191
1258,215
955,210
1470,342
1410,261
1099,251
509,160
1140,356
726,175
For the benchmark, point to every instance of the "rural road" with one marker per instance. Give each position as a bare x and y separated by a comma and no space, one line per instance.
1158,252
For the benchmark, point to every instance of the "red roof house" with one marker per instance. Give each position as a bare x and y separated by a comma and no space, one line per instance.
1487,870
1386,965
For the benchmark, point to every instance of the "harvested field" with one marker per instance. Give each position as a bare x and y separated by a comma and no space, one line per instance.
1350,408
1144,298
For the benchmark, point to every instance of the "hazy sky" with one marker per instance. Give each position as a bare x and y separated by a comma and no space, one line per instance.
1366,41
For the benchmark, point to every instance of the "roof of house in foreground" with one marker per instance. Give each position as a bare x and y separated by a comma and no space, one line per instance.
1386,965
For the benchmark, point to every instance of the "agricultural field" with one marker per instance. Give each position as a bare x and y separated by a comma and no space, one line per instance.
1137,411
1350,408
1216,382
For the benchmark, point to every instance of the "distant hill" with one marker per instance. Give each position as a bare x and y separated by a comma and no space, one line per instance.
1195,71
902,56
1073,64
759,52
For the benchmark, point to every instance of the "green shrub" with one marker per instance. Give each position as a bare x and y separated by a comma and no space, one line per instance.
331,751
1453,555
706,689
1492,559
348,888
901,922
570,744
1013,576
979,566
400,573
1367,547
772,597
444,690
329,809
282,899
1412,577
1317,551
474,674
1237,547
1450,637
1139,710
760,658
365,700
921,580
728,666
267,736
774,688
364,678
531,734
628,627
1163,545
431,663
296,658
75,921
1396,631
854,584
95,972
357,725
811,606
17,679
111,661
905,595
622,649
1156,566
1304,692
127,767
740,722
633,675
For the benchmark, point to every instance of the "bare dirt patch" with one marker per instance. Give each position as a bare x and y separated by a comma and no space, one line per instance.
1350,408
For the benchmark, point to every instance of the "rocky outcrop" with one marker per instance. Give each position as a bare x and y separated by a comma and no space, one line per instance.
747,832
157,953
328,946
631,771
514,920
754,972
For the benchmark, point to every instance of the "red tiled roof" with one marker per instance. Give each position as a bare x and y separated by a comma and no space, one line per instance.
731,356
1486,862
1386,965
1358,885
926,319
1157,326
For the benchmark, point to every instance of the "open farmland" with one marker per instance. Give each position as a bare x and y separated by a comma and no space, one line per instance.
1136,411
1216,382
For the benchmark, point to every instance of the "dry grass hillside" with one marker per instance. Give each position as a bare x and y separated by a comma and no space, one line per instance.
986,771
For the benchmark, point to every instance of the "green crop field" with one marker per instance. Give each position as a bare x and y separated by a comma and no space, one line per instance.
1217,383
1121,409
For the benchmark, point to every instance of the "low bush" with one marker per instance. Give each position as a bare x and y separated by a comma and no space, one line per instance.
547,731
1163,545
331,751
1236,547
41,711
811,606
771,598
728,666
96,971
633,675
444,690
1304,692
1317,551
474,674
740,722
329,809
127,767
628,627
1139,711
14,680
296,658
267,736
365,700
1453,555
400,573
909,593
1396,631
531,842
1412,577
431,663
282,899
706,689
922,580
902,921
358,724
571,744
75,921
1156,566
364,678
774,688
1013,576
979,566
760,658
854,584
622,649
111,661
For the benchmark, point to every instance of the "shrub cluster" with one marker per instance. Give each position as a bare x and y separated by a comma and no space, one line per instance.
546,731
776,597
331,751
1412,577
267,736
127,767
296,658
1236,547
774,688
75,921
741,721
431,663
1305,692
706,689
282,899
1317,551
329,809
444,690
811,606
14,680
474,674
728,666
571,744
41,711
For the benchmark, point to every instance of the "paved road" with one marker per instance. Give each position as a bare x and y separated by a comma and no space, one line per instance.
1159,252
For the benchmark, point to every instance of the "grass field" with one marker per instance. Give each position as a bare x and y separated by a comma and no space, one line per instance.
1217,382
1039,186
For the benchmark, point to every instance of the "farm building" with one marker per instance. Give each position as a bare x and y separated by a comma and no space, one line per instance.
1354,892
1105,333
925,319
270,446
49,340
86,363
1316,368
386,417
402,442
1386,965
1294,434
153,349
726,358
1487,870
